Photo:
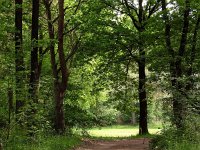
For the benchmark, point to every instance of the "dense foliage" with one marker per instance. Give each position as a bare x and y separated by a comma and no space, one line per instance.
78,64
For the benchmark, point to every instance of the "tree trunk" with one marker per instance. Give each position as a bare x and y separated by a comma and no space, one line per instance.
59,85
143,128
176,70
59,110
34,77
10,109
62,85
133,119
63,66
10,104
19,58
1,146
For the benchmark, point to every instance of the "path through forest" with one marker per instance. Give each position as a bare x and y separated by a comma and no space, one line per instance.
126,144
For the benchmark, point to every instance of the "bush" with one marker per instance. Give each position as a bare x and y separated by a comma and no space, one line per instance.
172,139
77,117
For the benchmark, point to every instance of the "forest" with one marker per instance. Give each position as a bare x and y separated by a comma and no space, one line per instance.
67,66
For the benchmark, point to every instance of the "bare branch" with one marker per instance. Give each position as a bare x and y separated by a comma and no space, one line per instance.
72,29
135,22
154,8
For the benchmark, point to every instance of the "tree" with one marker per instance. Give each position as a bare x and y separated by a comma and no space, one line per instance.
34,73
178,54
139,14
60,69
19,57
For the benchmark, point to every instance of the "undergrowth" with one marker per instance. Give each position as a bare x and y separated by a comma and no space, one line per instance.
171,139
44,143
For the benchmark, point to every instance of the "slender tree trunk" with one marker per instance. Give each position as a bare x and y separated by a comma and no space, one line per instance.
34,77
59,85
10,104
19,58
10,109
60,120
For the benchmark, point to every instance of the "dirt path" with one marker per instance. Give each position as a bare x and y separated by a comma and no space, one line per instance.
126,144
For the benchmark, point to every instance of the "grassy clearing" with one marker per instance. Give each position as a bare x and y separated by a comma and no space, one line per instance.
119,131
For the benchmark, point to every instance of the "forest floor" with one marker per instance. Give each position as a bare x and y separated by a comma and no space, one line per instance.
124,144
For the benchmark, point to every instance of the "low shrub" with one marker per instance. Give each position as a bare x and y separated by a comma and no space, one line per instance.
171,139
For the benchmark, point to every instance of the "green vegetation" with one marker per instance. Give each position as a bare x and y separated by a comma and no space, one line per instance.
171,139
44,143
95,64
184,146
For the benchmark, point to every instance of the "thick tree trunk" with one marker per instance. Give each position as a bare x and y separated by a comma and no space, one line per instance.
176,101
34,72
59,109
143,128
34,77
19,58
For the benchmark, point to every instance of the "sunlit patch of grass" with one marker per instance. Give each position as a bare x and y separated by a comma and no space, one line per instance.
118,131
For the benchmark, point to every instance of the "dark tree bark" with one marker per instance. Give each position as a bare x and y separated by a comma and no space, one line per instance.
139,24
10,104
10,109
59,85
143,127
59,69
176,68
61,88
19,58
34,76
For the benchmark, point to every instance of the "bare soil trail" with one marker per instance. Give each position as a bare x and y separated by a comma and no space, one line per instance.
126,144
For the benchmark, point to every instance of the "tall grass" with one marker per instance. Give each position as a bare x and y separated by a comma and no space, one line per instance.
44,143
184,146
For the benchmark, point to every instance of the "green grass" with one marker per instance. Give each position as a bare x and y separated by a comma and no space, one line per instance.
119,131
46,143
